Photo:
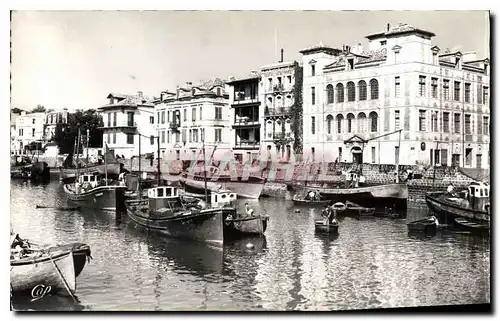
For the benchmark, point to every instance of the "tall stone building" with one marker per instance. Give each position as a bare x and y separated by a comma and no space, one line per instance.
402,81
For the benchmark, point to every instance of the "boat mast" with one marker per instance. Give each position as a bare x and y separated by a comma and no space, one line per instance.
158,158
78,155
205,172
106,162
87,147
399,152
434,173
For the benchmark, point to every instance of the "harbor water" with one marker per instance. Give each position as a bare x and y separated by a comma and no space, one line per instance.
372,263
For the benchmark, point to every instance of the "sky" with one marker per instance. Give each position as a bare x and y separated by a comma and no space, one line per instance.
74,59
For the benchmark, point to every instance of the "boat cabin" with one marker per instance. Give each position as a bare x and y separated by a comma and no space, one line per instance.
478,195
88,179
164,197
223,199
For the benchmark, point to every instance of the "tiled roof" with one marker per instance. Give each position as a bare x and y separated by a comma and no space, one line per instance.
320,47
214,82
251,75
400,29
364,57
130,100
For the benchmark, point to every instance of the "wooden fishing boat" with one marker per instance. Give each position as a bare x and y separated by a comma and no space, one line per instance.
426,225
471,226
91,193
164,212
38,171
246,188
69,174
353,209
471,204
310,203
321,227
355,190
49,270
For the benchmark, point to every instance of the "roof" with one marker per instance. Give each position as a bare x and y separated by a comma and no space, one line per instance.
279,65
129,100
320,48
256,75
400,29
364,57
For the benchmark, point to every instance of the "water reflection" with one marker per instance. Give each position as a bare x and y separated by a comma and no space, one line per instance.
370,263
46,303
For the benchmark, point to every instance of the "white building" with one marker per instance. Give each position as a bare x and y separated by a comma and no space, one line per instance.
440,101
28,129
245,111
128,118
190,115
51,120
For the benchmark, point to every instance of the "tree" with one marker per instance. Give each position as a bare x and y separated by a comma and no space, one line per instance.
66,134
16,110
38,109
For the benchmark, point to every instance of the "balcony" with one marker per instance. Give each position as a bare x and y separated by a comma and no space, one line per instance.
277,112
174,126
242,99
119,124
245,121
246,143
279,137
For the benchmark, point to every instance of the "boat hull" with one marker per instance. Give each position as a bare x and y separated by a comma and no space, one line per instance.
474,228
395,195
101,197
244,189
205,226
299,202
256,225
66,174
447,212
425,226
322,228
31,276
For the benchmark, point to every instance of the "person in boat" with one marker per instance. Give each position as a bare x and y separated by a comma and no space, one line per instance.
310,196
249,211
434,218
317,195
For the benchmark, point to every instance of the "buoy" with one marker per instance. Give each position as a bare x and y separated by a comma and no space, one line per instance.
297,210
250,246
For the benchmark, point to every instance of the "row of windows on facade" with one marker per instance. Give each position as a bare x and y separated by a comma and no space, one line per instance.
21,132
437,156
193,136
279,82
482,91
113,116
171,115
482,127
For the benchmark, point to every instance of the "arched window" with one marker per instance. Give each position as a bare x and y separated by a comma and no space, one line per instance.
340,93
373,121
339,123
350,120
329,120
362,90
351,91
374,89
329,94
362,123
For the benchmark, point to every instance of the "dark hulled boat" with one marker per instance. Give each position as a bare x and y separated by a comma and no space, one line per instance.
353,190
426,226
250,187
473,227
164,212
236,224
38,171
321,227
303,199
472,204
69,174
356,210
89,192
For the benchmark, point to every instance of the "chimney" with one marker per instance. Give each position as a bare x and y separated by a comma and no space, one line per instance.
388,27
139,93
177,92
188,83
281,55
